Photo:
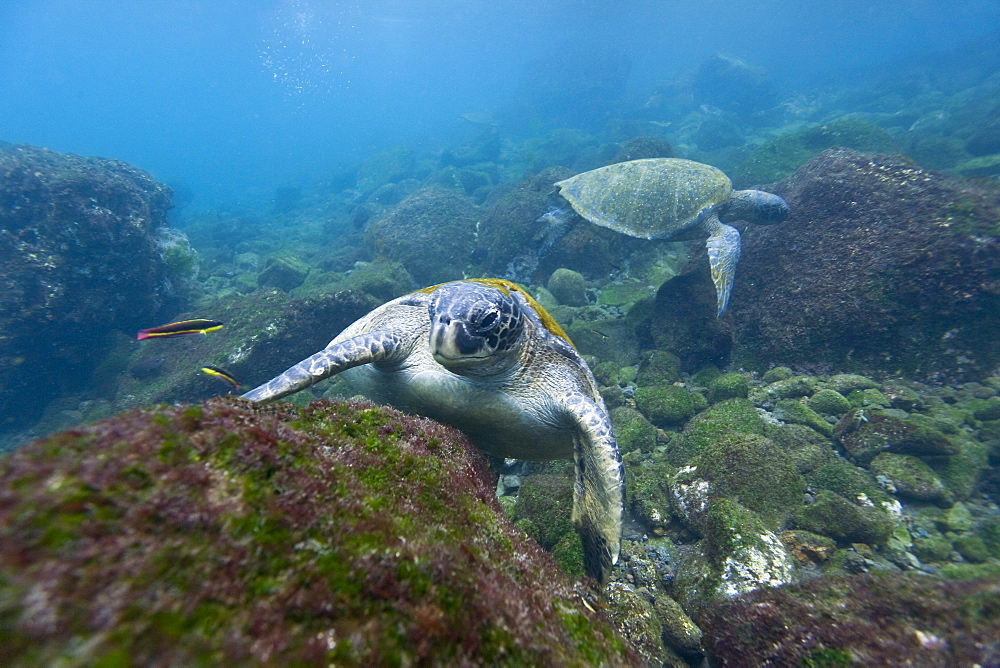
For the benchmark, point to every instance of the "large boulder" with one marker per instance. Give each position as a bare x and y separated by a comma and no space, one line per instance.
234,534
80,257
432,233
882,267
922,621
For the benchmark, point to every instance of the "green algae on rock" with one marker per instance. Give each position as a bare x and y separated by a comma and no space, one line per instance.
828,622
225,533
668,405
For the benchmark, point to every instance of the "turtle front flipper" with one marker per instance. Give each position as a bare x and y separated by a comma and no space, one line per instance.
599,490
723,245
337,357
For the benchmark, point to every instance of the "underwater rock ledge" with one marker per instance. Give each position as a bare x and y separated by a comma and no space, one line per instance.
225,532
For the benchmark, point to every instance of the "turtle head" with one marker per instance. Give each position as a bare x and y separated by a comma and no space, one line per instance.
476,329
755,206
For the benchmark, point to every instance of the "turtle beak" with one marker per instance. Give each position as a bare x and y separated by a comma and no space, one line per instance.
450,342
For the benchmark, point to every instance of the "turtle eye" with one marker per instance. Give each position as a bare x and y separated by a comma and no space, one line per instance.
489,320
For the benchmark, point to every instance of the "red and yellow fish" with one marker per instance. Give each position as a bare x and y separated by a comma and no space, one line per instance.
180,328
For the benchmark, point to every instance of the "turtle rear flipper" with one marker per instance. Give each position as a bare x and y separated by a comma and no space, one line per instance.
723,245
599,490
363,349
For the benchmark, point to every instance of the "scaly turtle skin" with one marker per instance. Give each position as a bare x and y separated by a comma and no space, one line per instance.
485,357
675,200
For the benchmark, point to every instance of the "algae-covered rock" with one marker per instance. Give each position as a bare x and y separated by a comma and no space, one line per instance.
732,415
738,555
728,386
904,284
790,388
834,516
829,622
934,549
637,620
668,405
746,467
807,547
285,272
84,252
782,156
796,412
659,367
431,232
236,534
829,402
649,493
863,434
777,373
547,501
805,448
911,478
632,430
850,482
961,471
990,533
845,383
679,631
569,287
972,549
869,398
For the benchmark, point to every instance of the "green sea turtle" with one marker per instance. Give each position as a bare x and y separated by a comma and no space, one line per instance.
675,200
484,356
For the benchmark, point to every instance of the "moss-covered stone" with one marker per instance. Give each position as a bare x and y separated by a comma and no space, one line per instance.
972,548
807,547
547,501
805,448
679,630
780,157
961,470
777,373
569,287
731,415
649,494
850,482
737,555
340,533
790,388
985,409
796,412
668,405
990,533
934,549
659,367
637,619
625,293
829,402
863,434
829,622
911,478
704,376
568,553
746,467
284,271
845,383
871,398
958,518
633,431
728,386
834,516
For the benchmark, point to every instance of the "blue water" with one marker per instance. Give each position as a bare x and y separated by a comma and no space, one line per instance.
233,98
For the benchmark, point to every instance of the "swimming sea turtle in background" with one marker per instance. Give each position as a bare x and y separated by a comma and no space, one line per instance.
674,200
485,357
